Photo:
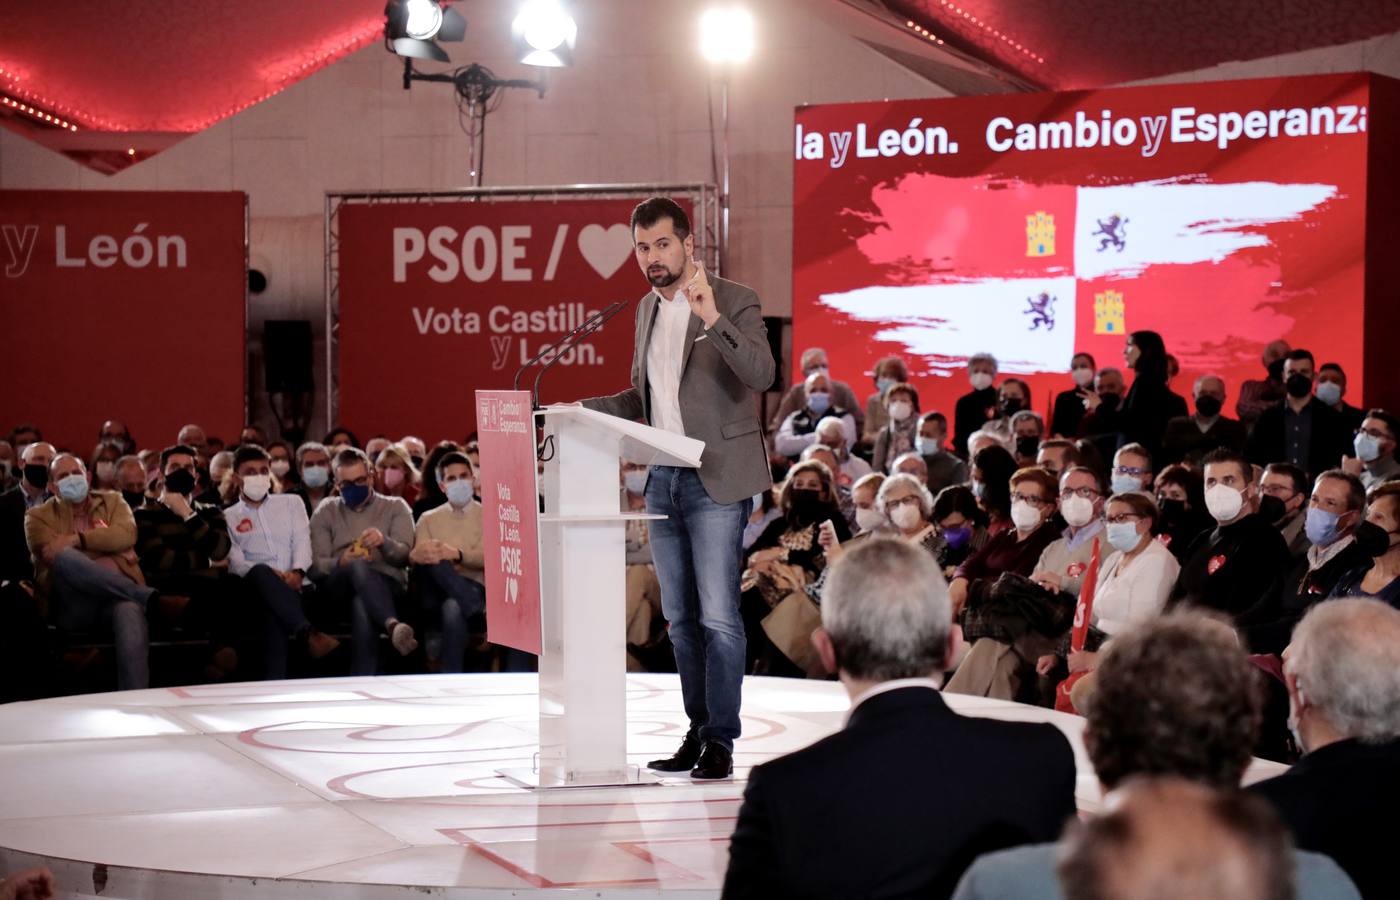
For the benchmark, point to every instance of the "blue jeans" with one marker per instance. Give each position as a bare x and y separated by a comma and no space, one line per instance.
284,616
86,595
371,596
454,598
698,556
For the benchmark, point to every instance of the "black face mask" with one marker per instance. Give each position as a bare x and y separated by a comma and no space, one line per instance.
807,504
1208,406
1298,386
1276,370
1109,401
180,481
37,475
1272,508
1172,511
1372,538
133,498
1010,406
1026,446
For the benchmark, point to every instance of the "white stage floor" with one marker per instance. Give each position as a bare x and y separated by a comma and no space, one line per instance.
381,787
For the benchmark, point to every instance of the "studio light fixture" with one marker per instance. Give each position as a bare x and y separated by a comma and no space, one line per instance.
413,28
726,34
544,33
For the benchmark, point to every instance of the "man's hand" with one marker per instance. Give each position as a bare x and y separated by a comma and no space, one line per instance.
176,503
56,546
293,579
1353,465
1049,580
1046,664
701,295
371,537
29,884
1081,661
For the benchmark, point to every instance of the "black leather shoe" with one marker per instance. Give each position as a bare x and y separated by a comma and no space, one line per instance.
715,762
684,758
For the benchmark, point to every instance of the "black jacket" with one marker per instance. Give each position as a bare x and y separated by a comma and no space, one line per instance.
1067,414
1234,569
1341,800
1271,628
973,410
1183,441
1146,410
899,803
1330,438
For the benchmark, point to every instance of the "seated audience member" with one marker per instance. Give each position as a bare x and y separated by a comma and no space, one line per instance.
1343,677
212,444
1257,395
450,558
1028,429
220,490
989,437
377,445
799,429
831,434
37,459
431,495
271,551
313,466
1298,429
193,436
1103,411
840,484
645,627
103,466
765,510
1001,660
943,466
864,494
1057,455
81,543
182,544
813,360
1189,438
950,786
1374,446
1171,838
1180,674
340,437
886,373
416,449
131,481
150,459
1333,514
22,436
395,475
1034,502
978,406
284,474
115,431
992,469
28,884
962,525
1331,387
9,466
1378,577
1069,405
1181,505
1233,567
1288,486
913,464
253,434
1132,469
905,503
901,430
360,541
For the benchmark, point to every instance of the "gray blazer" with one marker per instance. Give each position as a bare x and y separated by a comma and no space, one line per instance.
723,371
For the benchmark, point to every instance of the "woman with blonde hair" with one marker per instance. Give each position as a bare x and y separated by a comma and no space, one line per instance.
395,475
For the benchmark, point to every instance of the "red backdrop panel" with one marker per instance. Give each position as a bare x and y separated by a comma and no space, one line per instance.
126,305
510,519
1220,215
438,300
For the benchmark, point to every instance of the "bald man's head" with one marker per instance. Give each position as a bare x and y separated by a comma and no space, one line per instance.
1161,839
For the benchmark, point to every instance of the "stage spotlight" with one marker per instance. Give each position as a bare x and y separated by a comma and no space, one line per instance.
544,34
413,28
726,34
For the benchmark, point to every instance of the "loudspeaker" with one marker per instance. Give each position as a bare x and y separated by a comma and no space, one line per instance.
287,356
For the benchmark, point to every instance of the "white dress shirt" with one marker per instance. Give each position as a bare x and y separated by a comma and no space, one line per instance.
275,533
664,357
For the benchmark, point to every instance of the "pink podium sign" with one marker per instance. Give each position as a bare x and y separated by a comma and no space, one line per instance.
510,518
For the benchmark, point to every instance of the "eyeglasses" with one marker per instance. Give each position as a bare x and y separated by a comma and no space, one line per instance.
1123,517
1034,500
1087,493
1282,492
1378,435
1131,470
902,501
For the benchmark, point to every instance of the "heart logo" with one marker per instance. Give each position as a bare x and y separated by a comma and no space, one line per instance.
512,591
605,249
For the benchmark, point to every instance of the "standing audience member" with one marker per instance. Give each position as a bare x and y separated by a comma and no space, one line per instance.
951,786
1257,395
1181,504
360,541
1343,677
314,473
814,359
1104,411
1379,577
1149,403
1374,446
1331,388
37,458
1179,674
449,553
978,406
887,372
271,552
1069,405
1232,568
81,545
1288,486
901,428
1311,435
1189,438
944,467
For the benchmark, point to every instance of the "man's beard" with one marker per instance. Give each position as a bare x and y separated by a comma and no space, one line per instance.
666,279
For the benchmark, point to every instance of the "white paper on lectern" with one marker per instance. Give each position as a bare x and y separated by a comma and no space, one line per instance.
640,443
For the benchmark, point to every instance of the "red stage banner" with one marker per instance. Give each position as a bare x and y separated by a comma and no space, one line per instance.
128,305
510,518
441,298
1034,226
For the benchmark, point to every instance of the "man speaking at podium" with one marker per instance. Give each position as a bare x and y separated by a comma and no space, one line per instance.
700,357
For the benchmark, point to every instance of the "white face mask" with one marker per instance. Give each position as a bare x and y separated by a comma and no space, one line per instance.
1078,511
280,468
906,516
1224,503
980,381
1083,375
1024,516
255,487
868,519
900,410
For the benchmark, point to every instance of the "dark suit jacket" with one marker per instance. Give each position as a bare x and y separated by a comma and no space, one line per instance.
1330,438
898,803
1183,441
1341,800
722,372
15,563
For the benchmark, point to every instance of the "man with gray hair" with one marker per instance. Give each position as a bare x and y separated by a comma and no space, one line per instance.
1187,439
814,359
978,406
1343,677
948,787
